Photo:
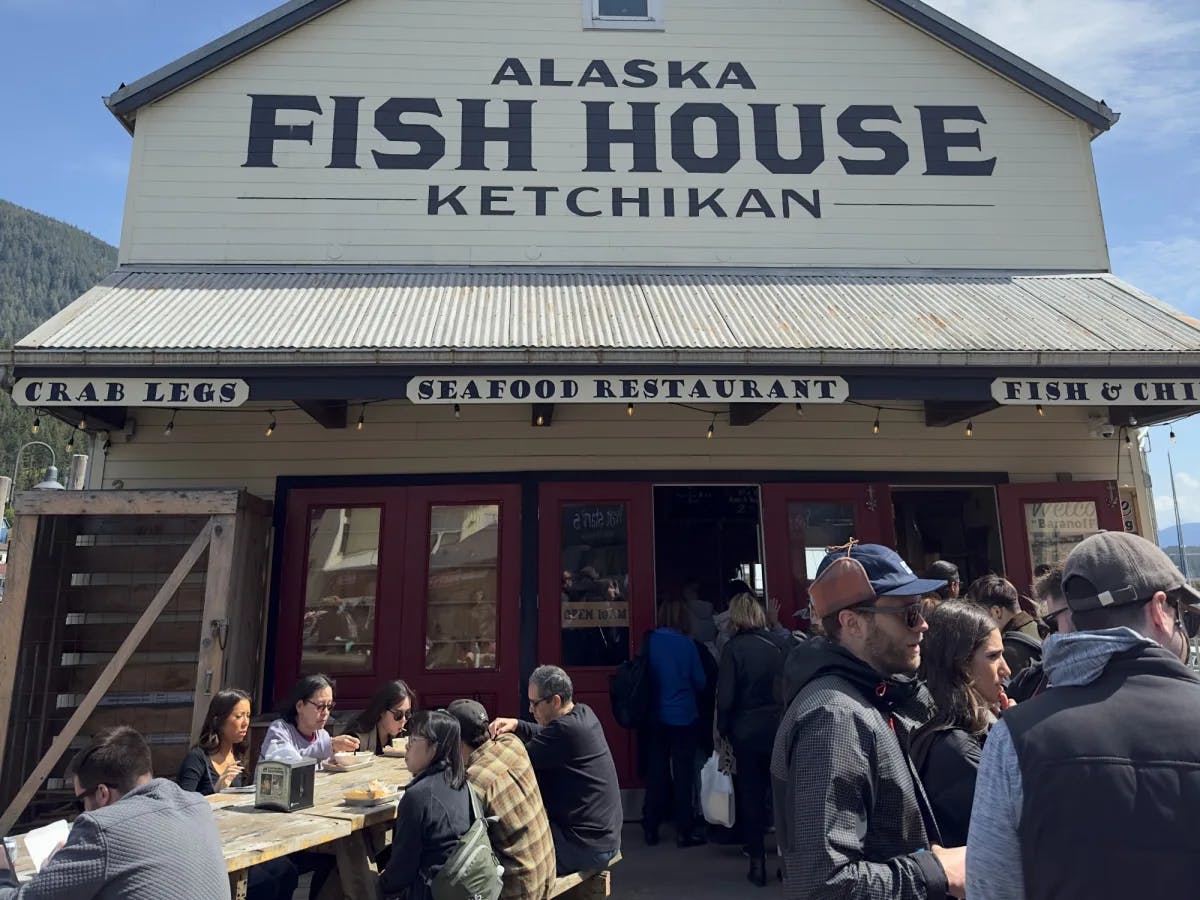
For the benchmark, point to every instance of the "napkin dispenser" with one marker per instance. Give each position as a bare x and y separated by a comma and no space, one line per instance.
284,785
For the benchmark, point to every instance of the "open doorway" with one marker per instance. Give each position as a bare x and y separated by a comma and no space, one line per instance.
704,537
960,525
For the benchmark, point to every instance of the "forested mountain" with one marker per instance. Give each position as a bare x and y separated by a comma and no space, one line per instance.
44,265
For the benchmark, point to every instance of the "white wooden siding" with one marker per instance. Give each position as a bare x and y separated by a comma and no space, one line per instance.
1041,206
229,449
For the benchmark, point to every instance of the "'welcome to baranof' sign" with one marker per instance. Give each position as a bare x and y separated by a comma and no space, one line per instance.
628,389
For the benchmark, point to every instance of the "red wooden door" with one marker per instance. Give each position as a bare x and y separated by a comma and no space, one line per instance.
801,520
1040,523
462,585
596,591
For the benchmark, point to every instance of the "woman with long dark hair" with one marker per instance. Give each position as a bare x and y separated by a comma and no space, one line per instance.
300,728
215,763
385,717
962,664
435,811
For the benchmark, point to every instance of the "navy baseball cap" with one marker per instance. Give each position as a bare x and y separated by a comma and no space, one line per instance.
886,575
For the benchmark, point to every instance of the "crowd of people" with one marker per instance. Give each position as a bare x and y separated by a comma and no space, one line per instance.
928,742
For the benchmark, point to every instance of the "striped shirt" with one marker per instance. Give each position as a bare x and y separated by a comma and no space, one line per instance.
502,775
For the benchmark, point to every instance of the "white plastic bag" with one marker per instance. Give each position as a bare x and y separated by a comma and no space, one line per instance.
716,794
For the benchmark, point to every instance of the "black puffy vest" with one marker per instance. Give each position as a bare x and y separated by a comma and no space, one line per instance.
1110,777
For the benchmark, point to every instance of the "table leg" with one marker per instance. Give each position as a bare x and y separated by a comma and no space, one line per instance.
237,884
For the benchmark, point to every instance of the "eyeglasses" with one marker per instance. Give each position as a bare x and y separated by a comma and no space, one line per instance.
401,715
534,704
321,707
80,798
912,614
1051,619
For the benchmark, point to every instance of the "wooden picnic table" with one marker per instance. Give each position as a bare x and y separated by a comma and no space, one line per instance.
353,834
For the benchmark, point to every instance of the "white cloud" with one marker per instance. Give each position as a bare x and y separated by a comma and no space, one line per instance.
1169,268
1188,488
1141,56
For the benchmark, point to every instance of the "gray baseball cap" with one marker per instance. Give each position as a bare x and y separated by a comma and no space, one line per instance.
472,719
1114,567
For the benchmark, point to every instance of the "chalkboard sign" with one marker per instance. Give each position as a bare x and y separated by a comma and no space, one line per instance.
713,501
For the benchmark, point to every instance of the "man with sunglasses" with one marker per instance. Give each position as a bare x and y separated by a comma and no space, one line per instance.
1091,789
852,819
138,837
1048,591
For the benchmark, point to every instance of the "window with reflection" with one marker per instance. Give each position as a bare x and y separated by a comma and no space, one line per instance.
1054,527
813,527
340,589
461,602
595,584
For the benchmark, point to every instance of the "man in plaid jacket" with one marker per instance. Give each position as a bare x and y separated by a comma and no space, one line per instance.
852,819
500,772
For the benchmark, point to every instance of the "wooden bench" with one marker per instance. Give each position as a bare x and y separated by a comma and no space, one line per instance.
586,885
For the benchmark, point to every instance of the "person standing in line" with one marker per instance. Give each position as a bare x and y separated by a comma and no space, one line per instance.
1020,632
748,712
678,678
1092,788
852,819
1048,591
944,570
962,665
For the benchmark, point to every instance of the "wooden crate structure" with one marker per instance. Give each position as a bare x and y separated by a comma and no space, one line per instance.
122,607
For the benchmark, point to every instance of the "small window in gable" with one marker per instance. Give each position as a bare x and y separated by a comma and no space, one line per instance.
644,15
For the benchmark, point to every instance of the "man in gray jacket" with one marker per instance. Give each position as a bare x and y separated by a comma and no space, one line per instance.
138,838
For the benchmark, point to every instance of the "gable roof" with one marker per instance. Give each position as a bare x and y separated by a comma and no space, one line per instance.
128,99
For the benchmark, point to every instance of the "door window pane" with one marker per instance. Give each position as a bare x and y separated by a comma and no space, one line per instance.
464,545
623,8
1055,527
813,527
595,584
340,589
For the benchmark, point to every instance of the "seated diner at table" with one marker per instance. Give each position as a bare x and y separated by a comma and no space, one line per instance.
300,728
435,810
215,764
385,717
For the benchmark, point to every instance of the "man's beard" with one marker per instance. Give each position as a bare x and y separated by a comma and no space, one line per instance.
889,655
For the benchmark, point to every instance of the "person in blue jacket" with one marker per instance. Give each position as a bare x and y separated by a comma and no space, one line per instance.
679,680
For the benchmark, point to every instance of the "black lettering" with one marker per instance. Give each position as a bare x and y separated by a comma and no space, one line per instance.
203,392
696,205
677,75
826,388
437,201
154,393
760,205
597,72
799,389
116,392
683,137
489,196
447,390
1053,391
1164,390
539,198
573,202
228,392
604,389
735,73
1140,391
674,387
345,133
642,201
698,391
750,390
58,392
766,139
87,394
470,391
895,151
518,135
547,75
495,389
33,391
519,389
1012,390
629,390
179,392
812,207
544,388
1077,390
649,388
724,387
640,73
265,131
601,136
513,70
425,388
431,146
776,391
938,141
669,202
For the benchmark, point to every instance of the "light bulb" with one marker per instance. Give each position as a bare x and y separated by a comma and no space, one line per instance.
71,443
711,428
970,428
82,422
37,425
271,427
457,411
1172,432
1041,410
629,409
170,427
800,410
541,420
875,427
362,417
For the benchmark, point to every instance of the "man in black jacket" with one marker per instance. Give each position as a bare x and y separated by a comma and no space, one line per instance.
852,819
1092,788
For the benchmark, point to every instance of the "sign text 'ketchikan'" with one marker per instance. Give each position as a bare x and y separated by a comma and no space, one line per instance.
628,389
726,131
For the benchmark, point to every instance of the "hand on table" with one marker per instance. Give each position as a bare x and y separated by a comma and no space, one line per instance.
345,743
502,726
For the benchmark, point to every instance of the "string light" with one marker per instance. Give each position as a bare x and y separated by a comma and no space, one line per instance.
71,442
712,427
170,425
1041,410
800,410
970,427
1172,435
37,425
271,427
107,444
457,411
362,418
82,421
541,420
875,426
629,409
1128,440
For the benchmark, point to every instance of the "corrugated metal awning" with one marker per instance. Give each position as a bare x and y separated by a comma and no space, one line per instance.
317,316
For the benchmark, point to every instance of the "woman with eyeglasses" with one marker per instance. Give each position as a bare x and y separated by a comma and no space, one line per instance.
962,664
435,810
385,717
300,728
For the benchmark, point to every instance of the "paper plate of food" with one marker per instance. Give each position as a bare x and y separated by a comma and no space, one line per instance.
397,749
374,793
348,762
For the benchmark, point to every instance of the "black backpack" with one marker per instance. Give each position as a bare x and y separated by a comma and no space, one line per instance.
631,689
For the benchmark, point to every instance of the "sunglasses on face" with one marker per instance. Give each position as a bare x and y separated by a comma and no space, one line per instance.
321,707
401,715
1051,619
911,615
81,799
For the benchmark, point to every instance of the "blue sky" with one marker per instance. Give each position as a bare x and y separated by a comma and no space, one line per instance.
63,154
